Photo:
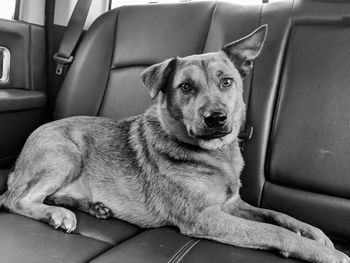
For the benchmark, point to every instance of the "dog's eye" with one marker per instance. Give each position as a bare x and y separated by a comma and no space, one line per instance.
185,88
227,82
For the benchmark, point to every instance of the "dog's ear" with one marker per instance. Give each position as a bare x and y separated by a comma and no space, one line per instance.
243,51
156,76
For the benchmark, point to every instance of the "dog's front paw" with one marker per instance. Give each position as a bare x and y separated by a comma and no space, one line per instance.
333,256
63,218
99,210
313,251
317,235
304,229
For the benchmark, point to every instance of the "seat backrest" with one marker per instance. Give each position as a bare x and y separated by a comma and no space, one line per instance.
104,79
297,161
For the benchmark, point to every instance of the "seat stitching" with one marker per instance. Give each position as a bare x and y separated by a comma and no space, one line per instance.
183,251
188,250
110,66
281,87
182,248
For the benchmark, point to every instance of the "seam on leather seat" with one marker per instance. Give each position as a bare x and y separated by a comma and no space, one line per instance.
251,75
112,244
183,251
276,109
30,58
111,63
131,66
281,85
305,190
277,95
209,26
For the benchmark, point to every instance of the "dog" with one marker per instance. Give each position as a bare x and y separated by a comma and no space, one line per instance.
177,164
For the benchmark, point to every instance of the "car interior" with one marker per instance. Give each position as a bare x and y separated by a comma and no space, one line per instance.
297,160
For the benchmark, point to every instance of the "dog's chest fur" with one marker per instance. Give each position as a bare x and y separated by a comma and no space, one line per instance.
144,175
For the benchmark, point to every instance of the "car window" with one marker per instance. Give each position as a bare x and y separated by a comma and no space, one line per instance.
117,3
7,10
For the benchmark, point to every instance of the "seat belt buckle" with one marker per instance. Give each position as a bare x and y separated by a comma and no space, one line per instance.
61,62
244,136
247,133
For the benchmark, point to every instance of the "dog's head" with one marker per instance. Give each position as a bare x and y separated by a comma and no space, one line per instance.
200,96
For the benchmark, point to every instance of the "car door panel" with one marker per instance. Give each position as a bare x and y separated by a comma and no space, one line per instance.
23,91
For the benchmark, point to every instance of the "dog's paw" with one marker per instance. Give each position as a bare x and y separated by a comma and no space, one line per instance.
318,253
304,229
332,257
317,235
62,218
101,211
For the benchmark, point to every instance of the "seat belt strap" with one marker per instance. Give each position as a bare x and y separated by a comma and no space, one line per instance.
71,35
247,133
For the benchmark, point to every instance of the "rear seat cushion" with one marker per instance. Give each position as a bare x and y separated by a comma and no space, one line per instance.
39,242
167,245
28,240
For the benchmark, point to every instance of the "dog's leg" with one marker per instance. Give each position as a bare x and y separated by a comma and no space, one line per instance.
29,202
242,209
31,185
213,223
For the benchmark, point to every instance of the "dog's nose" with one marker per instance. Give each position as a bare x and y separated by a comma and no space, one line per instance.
215,119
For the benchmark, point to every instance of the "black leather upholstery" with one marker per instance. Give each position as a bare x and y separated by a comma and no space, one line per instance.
311,153
277,15
306,165
296,161
327,212
29,240
89,81
17,125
